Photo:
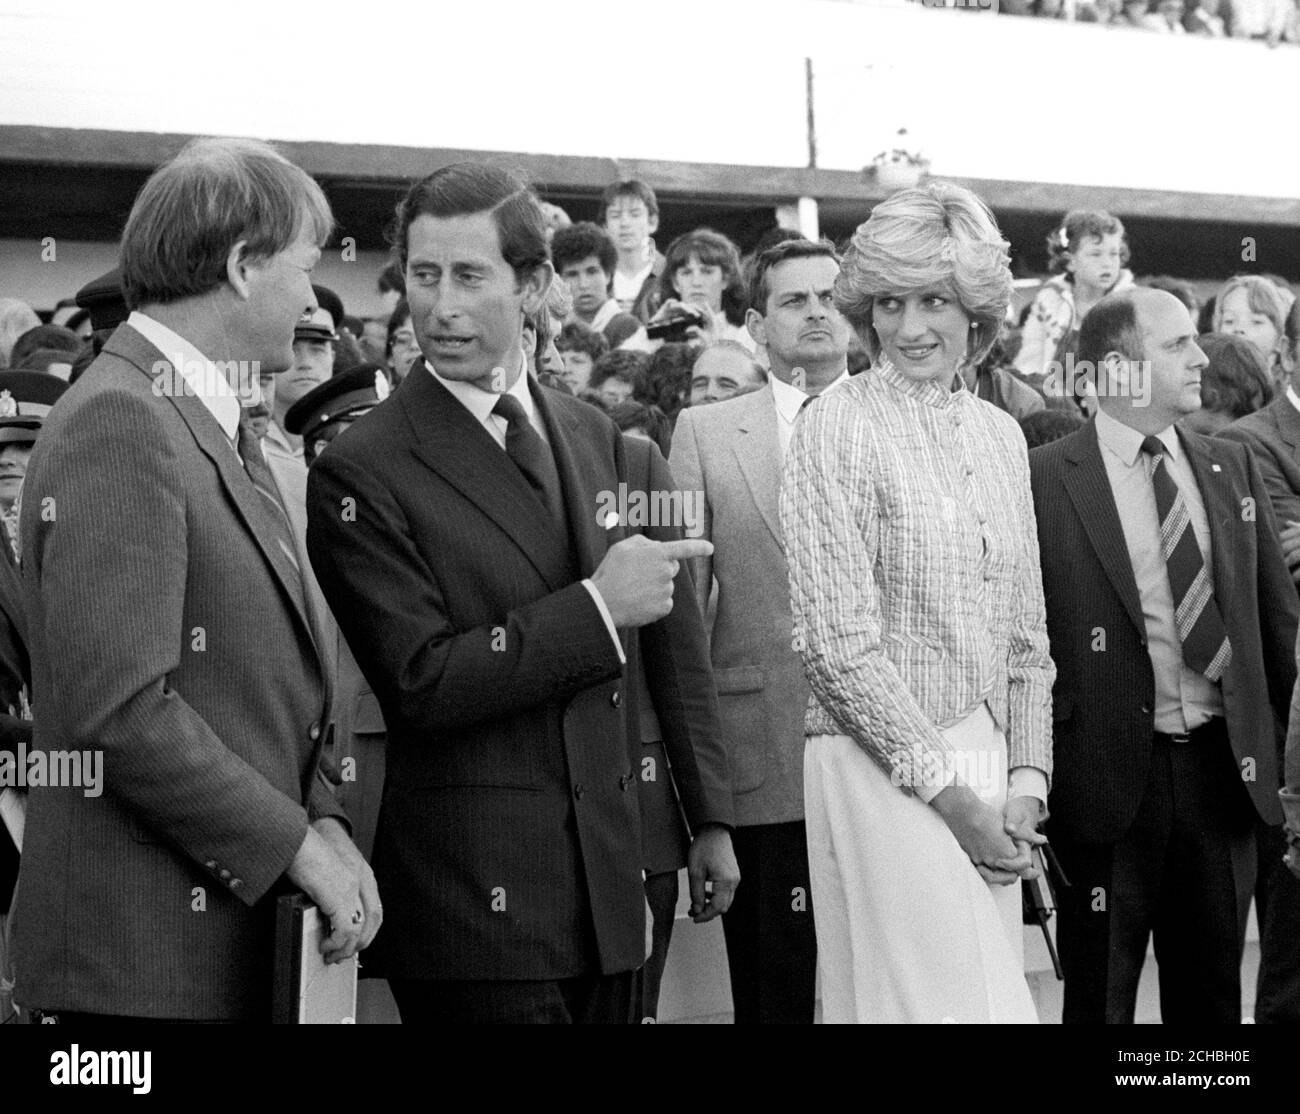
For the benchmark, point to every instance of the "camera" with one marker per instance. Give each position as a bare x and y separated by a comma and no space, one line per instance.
674,328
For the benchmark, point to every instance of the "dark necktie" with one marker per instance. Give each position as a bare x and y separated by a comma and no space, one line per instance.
1200,625
532,456
275,516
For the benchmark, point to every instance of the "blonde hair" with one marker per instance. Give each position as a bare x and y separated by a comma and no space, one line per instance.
1262,296
917,238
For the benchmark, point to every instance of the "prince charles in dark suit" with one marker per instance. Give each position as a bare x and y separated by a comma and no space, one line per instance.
458,534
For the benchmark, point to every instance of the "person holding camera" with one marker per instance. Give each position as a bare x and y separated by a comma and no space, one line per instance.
702,292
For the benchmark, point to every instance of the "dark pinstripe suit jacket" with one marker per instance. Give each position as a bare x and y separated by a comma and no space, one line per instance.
668,667
162,634
1102,705
509,838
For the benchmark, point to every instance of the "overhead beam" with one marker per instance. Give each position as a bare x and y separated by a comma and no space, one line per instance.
717,183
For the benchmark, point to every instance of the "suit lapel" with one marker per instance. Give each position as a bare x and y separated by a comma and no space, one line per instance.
1214,471
577,464
211,439
1089,489
1287,418
758,453
448,439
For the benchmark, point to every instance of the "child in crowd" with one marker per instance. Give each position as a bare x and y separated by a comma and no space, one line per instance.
1088,252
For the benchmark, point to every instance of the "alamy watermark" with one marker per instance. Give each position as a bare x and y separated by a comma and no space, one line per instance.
30,768
637,509
1066,380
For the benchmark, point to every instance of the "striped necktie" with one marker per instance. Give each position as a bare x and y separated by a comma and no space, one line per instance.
1200,625
275,517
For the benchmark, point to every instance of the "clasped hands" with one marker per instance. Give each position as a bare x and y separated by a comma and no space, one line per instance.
999,844
335,875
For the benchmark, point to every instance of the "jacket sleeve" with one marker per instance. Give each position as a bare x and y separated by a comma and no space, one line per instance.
1030,672
680,679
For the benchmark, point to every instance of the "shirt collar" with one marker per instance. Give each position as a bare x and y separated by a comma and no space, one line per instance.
202,377
480,402
1125,442
928,391
789,399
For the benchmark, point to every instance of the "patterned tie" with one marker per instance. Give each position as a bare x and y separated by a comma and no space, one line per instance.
531,455
276,518
1200,626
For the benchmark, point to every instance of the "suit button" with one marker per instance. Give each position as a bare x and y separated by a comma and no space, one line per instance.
577,790
1146,709
616,699
224,876
235,883
211,864
314,733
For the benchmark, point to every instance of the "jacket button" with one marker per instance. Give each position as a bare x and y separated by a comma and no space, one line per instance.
235,883
225,876
577,790
314,733
211,864
1146,709
616,698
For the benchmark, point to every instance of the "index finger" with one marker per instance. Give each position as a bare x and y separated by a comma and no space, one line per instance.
687,547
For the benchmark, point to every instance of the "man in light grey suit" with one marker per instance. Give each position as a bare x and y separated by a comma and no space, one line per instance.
732,451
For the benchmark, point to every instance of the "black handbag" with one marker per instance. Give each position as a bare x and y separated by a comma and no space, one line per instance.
1038,897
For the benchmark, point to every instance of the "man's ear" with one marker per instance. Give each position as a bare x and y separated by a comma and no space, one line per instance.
1117,374
757,326
535,286
653,224
237,267
1288,359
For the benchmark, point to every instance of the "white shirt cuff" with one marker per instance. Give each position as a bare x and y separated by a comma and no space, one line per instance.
1027,781
609,621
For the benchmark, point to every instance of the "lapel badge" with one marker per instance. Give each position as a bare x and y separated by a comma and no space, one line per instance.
1215,468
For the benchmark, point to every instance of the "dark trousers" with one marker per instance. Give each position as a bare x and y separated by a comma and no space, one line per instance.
586,1000
661,896
771,941
1184,873
1277,906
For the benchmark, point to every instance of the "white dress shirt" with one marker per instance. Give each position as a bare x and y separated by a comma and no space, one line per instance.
480,403
201,375
789,401
1185,699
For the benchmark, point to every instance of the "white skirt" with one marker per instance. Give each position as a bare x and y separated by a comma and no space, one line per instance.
907,930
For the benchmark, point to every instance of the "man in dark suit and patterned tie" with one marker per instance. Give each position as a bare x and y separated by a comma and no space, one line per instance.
1173,626
464,546
169,631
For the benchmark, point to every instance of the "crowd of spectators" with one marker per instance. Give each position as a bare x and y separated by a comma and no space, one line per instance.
1272,21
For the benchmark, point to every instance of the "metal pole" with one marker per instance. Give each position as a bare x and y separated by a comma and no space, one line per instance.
812,119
